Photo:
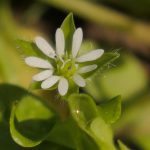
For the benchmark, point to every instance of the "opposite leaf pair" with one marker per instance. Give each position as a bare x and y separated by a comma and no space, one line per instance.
32,121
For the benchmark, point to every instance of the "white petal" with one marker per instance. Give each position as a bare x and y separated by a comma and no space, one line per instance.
93,55
63,86
38,63
42,75
50,82
87,68
60,42
45,47
76,42
79,80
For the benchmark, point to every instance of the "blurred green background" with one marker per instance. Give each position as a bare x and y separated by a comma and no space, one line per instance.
123,25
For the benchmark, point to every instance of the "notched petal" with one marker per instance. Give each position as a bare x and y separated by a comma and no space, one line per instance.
38,62
42,75
76,42
60,42
87,69
63,86
44,46
91,56
79,80
50,82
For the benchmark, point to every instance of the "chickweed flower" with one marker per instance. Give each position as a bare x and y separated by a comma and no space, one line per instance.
60,67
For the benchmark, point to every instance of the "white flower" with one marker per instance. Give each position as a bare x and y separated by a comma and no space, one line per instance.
65,66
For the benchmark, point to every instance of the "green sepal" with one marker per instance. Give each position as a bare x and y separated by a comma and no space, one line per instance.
68,28
29,48
106,59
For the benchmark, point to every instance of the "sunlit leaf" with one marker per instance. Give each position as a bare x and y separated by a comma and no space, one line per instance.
83,109
85,113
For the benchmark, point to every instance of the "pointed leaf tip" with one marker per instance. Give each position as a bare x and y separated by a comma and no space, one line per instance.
68,28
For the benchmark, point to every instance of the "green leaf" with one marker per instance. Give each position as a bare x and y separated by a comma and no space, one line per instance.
68,28
19,138
59,132
29,48
107,58
85,113
31,120
80,105
26,47
122,146
46,145
8,95
35,86
111,110
102,62
75,139
102,133
86,142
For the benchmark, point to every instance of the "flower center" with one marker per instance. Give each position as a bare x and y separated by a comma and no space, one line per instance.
68,68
